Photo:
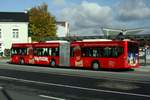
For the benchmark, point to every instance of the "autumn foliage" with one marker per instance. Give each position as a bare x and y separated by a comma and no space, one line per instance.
41,23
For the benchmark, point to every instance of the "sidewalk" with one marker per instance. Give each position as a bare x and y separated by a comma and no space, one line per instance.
143,68
4,60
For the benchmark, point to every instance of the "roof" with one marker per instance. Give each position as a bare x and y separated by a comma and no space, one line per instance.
13,17
62,23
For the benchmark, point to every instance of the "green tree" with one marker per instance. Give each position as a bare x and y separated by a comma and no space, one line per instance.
41,23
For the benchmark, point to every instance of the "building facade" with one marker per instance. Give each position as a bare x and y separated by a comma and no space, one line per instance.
62,28
13,29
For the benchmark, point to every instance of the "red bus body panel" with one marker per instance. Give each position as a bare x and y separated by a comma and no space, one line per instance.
105,62
16,58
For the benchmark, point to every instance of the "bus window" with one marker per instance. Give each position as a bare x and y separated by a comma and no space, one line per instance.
55,51
13,51
72,52
112,51
49,51
120,50
19,51
45,51
116,51
102,52
95,52
23,51
90,52
85,52
107,52
41,51
35,51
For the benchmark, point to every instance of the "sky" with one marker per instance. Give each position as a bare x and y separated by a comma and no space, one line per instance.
88,16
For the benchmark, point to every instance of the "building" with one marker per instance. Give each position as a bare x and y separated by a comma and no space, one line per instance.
13,29
62,28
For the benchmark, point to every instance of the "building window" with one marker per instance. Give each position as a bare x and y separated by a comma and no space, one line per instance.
0,33
15,33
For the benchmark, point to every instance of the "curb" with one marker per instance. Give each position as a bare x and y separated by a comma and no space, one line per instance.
143,68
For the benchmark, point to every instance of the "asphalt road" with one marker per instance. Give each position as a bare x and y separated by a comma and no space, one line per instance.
73,84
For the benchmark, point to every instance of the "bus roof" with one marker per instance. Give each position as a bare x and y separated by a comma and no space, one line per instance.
91,40
44,44
57,41
17,45
101,43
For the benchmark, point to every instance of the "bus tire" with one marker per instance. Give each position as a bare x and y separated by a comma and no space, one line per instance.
53,63
21,61
95,65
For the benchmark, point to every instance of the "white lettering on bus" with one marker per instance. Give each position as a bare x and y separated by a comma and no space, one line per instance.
41,59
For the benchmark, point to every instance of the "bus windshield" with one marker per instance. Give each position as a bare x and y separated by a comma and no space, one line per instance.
132,47
132,53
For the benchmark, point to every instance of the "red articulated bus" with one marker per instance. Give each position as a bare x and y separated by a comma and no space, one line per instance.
95,54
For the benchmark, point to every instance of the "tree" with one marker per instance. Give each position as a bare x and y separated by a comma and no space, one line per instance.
41,23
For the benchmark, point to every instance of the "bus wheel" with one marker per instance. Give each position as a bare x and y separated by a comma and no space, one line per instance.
21,61
95,65
53,63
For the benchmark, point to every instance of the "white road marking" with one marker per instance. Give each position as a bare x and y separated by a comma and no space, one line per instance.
51,97
75,87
